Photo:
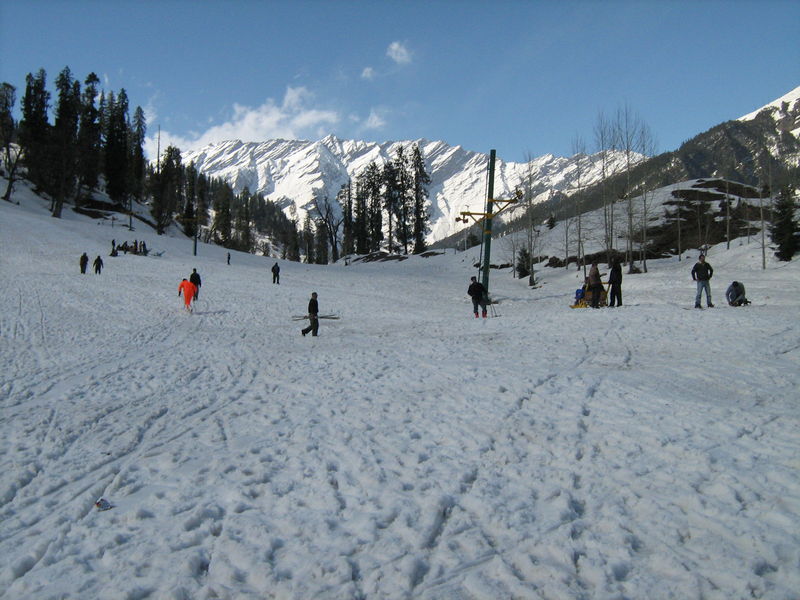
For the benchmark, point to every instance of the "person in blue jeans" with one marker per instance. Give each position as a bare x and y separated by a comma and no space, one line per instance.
702,272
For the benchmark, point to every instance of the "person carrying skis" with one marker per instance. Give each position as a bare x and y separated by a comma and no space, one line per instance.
84,262
313,316
702,272
276,273
477,292
98,265
195,279
188,289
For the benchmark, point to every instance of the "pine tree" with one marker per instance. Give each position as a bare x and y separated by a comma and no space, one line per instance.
190,225
421,222
34,129
784,231
391,201
138,162
307,236
116,149
168,190
222,197
403,204
89,138
242,222
63,149
346,202
321,245
361,217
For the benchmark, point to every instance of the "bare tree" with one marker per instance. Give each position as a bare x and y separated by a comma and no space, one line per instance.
580,158
628,130
331,221
606,144
12,153
649,149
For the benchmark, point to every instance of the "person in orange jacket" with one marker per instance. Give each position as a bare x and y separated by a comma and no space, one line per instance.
189,290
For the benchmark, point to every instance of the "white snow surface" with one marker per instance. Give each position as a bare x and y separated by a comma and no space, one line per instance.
409,451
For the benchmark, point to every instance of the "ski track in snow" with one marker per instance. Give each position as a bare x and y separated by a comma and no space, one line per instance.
408,452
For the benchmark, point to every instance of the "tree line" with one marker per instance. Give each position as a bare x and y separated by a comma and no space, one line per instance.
94,144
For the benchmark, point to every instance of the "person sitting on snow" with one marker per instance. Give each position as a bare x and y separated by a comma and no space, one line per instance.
735,294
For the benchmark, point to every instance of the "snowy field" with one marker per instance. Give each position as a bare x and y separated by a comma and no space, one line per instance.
410,451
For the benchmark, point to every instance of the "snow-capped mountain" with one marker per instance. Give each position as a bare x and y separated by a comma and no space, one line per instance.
291,172
785,111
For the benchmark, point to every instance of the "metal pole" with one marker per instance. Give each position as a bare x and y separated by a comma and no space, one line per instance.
487,231
763,242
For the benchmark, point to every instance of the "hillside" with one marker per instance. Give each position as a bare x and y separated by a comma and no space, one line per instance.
410,451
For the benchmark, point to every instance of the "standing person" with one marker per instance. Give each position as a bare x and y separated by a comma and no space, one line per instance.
595,285
313,316
477,292
229,258
276,273
98,265
188,289
615,282
83,262
195,279
702,272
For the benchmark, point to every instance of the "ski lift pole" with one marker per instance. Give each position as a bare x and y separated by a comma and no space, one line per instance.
487,226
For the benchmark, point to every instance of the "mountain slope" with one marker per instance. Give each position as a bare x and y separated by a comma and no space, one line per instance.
292,172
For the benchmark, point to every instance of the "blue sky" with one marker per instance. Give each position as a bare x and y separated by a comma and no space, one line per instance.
526,78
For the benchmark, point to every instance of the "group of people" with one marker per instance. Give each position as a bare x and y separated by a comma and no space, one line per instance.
84,262
190,289
702,272
136,247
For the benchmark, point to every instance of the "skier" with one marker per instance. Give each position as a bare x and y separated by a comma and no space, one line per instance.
313,316
702,273
195,279
276,273
98,265
188,289
735,294
229,258
477,292
615,283
83,262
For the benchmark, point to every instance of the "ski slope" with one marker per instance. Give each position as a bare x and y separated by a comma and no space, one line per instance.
410,451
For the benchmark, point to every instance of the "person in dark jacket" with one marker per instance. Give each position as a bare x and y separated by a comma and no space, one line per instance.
195,279
313,316
84,262
276,273
595,284
702,272
477,292
98,265
735,294
615,283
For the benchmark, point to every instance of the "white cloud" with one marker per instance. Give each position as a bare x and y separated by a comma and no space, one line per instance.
374,121
399,53
368,73
292,119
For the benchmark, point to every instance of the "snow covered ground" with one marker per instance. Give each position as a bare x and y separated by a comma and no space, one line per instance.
410,451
